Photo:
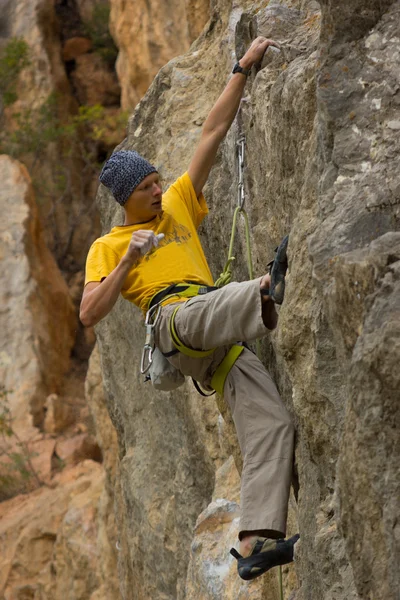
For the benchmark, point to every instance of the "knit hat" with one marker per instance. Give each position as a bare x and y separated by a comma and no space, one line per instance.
123,172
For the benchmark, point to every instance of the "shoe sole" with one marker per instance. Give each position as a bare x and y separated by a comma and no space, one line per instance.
253,566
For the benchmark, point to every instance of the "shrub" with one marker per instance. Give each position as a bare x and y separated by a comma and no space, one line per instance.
13,58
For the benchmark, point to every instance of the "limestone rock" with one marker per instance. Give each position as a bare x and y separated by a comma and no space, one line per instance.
75,47
58,414
107,440
212,571
147,42
63,179
25,464
49,539
85,8
368,473
75,449
93,82
37,320
42,450
321,164
165,472
35,22
105,432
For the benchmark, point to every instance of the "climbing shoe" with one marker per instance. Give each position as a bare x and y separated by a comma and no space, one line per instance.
278,271
265,554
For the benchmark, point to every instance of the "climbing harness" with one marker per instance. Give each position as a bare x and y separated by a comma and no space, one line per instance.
221,373
187,289
184,290
180,346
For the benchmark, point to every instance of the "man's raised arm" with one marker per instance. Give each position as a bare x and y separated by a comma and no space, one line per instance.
222,114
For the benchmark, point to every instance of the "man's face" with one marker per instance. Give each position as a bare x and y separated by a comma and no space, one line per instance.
145,201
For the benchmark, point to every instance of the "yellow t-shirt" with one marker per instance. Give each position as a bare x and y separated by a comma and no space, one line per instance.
179,256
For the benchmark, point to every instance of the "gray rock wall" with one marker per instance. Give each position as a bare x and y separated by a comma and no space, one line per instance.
321,121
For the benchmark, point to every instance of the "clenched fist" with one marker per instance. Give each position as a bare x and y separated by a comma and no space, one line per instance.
141,242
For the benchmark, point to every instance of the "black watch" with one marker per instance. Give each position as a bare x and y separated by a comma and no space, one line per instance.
238,69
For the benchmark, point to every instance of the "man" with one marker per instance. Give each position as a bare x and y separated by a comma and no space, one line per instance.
158,247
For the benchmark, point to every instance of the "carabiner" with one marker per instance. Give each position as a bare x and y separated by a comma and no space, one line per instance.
241,143
146,354
148,348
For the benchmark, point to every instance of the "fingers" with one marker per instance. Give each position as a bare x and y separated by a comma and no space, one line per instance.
258,48
144,240
272,43
265,42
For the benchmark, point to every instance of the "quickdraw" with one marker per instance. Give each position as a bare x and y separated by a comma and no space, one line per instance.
241,144
152,317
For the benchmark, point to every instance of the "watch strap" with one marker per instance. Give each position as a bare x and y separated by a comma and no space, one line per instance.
238,69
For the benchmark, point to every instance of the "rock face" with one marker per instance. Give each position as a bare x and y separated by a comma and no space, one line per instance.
148,34
54,553
321,121
64,73
37,318
107,440
59,541
75,541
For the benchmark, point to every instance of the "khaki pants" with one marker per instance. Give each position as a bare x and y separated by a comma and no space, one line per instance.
264,427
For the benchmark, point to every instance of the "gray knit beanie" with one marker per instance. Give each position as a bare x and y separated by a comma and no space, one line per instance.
123,172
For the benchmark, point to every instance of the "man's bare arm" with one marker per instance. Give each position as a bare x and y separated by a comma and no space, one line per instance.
99,297
222,115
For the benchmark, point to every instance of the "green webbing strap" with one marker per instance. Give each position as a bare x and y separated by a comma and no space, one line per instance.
189,290
221,373
181,347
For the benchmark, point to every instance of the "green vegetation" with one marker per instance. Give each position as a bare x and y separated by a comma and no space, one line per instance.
13,58
62,151
36,131
37,128
98,31
17,473
70,147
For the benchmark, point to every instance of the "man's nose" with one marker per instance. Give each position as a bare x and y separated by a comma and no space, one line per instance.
156,189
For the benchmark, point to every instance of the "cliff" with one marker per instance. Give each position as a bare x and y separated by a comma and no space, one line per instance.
321,123
149,509
63,117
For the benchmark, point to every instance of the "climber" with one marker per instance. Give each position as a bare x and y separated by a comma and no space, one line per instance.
155,258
